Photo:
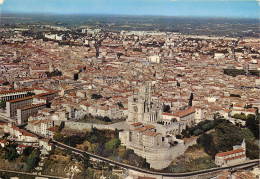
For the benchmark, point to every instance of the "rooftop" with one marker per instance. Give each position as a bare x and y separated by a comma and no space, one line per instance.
222,154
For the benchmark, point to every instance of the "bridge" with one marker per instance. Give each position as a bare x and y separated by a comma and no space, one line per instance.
175,175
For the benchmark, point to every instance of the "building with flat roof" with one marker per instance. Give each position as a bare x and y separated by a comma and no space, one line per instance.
14,94
24,113
13,105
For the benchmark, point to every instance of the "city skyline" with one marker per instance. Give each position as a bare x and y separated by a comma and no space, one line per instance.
185,8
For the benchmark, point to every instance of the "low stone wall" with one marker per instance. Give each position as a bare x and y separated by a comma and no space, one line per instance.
86,126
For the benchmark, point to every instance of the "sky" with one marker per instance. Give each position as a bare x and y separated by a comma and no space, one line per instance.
183,8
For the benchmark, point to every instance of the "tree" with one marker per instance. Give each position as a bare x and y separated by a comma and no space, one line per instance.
73,140
30,93
216,116
119,55
248,106
33,160
190,100
58,137
107,119
206,127
113,144
166,108
185,133
174,120
252,151
178,136
227,135
206,141
252,125
116,133
241,116
3,104
53,73
96,96
96,135
27,151
197,132
120,105
127,153
62,125
10,152
93,139
235,95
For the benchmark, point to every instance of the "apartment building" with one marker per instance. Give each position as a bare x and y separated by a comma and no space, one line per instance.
13,105
14,94
24,113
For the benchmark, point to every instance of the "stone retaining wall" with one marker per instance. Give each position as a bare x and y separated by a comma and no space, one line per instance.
86,126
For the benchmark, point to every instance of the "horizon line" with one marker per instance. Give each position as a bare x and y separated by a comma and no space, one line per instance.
134,15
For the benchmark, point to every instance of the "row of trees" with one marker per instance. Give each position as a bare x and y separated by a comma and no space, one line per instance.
243,116
235,95
104,119
201,127
234,72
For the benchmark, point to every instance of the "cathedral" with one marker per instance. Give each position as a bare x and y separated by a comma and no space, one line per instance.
147,136
141,108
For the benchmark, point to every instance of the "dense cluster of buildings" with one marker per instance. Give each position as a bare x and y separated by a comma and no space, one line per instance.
159,82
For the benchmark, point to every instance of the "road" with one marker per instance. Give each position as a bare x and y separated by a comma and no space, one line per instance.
29,174
188,174
4,118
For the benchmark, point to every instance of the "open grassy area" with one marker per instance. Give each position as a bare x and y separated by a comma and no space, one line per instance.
192,160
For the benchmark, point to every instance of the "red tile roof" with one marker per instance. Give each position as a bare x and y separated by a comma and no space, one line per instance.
137,124
222,154
167,114
150,133
53,129
20,99
13,91
141,129
2,141
32,106
185,112
149,127
235,157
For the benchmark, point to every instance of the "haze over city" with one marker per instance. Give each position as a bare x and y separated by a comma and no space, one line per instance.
197,8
